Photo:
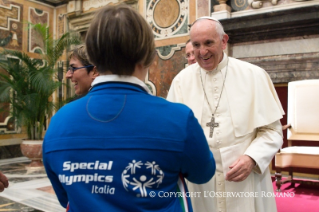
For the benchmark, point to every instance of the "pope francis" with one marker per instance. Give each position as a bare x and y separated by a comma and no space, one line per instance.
238,108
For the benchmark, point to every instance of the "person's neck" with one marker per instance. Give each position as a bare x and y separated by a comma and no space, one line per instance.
140,72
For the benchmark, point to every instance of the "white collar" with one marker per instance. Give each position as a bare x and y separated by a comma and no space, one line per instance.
118,78
220,66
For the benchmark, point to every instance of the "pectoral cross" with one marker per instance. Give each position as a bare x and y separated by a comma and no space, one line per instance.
212,124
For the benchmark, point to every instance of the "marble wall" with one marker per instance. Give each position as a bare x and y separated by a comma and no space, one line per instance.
11,26
289,67
286,59
283,42
15,35
162,71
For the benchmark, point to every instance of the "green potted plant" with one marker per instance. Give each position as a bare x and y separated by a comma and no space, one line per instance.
28,84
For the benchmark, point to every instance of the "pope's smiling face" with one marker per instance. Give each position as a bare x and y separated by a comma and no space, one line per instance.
207,43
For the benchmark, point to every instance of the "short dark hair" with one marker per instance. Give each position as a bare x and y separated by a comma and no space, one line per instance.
79,52
118,39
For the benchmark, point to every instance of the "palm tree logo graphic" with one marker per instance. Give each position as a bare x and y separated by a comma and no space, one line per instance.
132,180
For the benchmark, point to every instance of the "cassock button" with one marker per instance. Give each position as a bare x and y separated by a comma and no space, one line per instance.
214,79
219,183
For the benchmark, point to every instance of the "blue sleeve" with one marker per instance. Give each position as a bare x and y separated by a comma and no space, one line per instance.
57,186
198,164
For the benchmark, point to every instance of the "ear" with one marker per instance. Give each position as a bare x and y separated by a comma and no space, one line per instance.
224,41
94,72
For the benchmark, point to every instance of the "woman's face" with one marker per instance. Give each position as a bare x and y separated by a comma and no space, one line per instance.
81,79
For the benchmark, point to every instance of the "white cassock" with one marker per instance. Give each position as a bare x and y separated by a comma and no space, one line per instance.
248,115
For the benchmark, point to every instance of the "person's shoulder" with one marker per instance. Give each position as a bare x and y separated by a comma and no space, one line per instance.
70,107
177,108
74,98
246,71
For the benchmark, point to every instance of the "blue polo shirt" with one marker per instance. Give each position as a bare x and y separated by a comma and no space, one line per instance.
122,149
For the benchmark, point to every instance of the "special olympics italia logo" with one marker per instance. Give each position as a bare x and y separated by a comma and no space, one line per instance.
138,175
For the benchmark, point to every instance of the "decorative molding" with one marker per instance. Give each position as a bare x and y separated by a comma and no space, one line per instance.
74,7
277,8
257,4
79,21
61,25
203,8
224,14
36,17
7,127
82,22
166,52
97,3
289,76
281,47
8,19
41,3
43,62
301,21
239,5
167,18
288,67
150,84
11,26
70,7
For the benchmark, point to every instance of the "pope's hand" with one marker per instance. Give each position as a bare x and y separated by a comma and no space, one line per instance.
3,182
240,169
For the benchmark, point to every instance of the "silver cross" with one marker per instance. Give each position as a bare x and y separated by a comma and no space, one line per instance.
212,124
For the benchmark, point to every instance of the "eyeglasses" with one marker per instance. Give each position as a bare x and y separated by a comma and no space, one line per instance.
73,69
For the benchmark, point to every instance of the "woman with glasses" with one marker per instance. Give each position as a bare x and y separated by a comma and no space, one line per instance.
120,149
81,72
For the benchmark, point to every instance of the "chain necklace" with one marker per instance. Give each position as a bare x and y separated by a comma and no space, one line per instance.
212,124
